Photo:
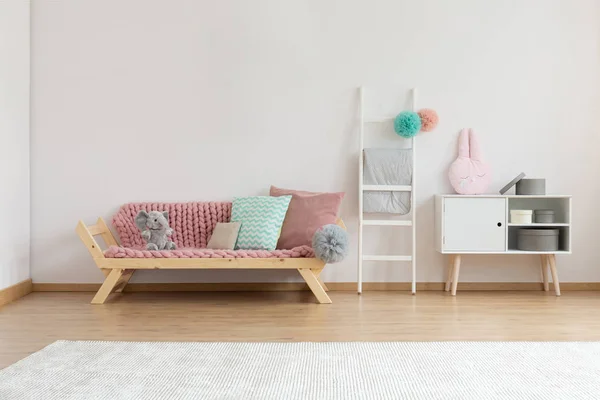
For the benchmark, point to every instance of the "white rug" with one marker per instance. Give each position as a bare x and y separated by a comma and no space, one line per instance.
403,370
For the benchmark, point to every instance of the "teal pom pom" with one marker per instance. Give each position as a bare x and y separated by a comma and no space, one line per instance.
407,124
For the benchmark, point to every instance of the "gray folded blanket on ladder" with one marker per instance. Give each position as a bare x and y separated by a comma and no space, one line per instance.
387,167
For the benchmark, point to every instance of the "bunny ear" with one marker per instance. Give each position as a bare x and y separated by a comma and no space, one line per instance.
474,146
463,144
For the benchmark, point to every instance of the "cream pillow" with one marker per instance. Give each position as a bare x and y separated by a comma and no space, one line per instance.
224,236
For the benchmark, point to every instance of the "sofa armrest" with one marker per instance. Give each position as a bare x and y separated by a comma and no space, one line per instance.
87,233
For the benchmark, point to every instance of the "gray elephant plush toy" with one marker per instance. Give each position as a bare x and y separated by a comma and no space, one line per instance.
155,229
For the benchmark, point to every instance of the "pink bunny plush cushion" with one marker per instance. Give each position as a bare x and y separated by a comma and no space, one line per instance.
469,174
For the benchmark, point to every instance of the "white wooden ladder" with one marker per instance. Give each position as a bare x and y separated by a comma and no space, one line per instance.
399,188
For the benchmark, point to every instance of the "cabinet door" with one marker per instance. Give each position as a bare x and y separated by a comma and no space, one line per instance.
474,224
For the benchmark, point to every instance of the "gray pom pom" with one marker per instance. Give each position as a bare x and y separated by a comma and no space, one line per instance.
330,243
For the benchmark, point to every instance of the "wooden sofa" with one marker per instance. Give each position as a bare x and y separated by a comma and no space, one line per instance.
193,224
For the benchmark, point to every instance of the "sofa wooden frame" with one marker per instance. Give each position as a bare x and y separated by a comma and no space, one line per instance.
118,271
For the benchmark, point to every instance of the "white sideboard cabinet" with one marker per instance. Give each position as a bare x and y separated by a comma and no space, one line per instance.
481,225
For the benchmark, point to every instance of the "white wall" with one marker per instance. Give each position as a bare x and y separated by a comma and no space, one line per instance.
196,100
14,146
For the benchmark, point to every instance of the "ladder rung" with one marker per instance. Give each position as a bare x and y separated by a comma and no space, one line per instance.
384,222
387,258
387,188
381,118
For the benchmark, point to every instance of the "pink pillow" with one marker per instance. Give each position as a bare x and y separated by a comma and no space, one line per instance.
308,211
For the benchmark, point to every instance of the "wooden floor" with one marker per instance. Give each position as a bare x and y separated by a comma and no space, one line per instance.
39,319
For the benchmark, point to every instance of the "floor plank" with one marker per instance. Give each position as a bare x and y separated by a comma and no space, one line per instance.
39,319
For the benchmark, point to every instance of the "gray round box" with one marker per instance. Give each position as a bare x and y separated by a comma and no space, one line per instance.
543,216
537,239
531,186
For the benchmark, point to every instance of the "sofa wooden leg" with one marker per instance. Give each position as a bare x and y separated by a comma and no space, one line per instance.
317,273
323,285
127,274
107,287
313,283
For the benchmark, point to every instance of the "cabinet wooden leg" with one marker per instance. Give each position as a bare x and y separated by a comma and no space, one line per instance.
450,272
456,270
544,266
552,259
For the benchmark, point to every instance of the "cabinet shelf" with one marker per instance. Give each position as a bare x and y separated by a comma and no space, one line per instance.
514,251
509,251
534,225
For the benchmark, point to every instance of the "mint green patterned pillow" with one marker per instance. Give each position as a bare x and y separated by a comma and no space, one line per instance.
261,218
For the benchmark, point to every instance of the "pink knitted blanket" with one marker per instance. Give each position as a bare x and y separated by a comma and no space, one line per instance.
127,252
193,224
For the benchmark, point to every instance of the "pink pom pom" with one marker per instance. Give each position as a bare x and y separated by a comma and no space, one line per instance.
429,119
